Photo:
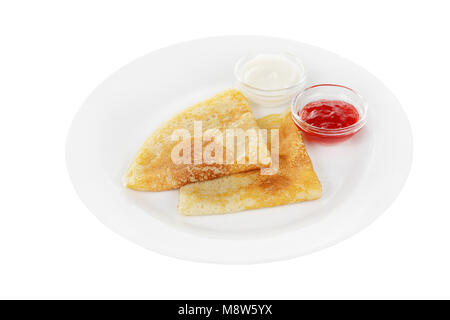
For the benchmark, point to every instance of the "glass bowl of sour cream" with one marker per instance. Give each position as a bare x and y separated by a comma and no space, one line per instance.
270,79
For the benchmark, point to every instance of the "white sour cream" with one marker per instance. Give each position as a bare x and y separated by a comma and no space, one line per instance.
271,72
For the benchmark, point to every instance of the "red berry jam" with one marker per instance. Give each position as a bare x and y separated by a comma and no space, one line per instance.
326,115
329,114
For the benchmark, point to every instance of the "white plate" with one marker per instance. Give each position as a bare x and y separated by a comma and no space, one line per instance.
360,177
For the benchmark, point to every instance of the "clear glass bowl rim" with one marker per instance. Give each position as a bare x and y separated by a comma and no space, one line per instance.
332,132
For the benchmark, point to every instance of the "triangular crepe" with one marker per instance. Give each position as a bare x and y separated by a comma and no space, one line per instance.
295,181
153,169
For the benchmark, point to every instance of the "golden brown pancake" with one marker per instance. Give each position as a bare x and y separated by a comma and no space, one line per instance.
295,181
153,168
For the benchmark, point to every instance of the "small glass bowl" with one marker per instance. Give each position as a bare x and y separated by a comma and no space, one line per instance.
329,92
270,98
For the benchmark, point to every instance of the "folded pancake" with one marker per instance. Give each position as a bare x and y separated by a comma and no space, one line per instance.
153,169
295,181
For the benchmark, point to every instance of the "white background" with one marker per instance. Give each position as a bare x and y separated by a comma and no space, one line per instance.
54,53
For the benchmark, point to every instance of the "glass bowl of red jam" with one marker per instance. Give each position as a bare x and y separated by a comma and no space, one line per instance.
329,112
